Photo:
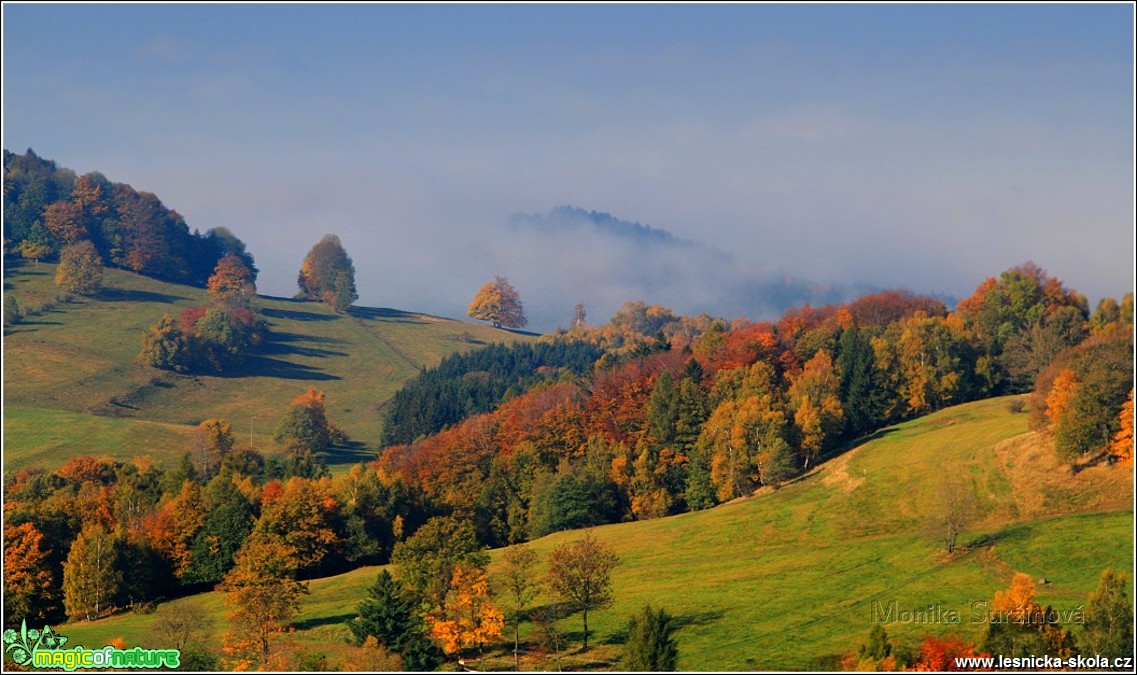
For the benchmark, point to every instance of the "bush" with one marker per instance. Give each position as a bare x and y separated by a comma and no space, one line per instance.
13,313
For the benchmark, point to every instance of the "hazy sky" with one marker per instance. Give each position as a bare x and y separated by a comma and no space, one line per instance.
920,146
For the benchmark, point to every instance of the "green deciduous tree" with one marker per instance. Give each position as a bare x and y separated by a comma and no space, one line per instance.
426,559
1109,618
90,576
521,585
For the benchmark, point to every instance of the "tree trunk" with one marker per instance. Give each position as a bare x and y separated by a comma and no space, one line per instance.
585,648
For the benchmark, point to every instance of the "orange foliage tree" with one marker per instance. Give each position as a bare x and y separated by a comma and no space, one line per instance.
468,618
28,582
1121,448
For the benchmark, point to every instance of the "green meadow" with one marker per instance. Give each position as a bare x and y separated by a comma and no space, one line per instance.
73,383
794,578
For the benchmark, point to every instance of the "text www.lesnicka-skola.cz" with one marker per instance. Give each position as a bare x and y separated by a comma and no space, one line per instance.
1042,662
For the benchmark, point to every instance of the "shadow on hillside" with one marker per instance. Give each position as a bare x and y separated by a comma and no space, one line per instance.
296,314
352,452
323,621
124,295
387,314
283,344
1004,535
264,366
854,443
678,622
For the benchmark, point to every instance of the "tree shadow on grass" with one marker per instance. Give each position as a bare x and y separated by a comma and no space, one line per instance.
264,366
1006,534
316,622
296,315
352,452
124,295
283,344
386,314
678,622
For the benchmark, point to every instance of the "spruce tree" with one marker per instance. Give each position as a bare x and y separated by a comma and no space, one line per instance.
650,646
391,615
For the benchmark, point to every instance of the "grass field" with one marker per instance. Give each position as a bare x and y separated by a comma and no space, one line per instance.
789,579
80,358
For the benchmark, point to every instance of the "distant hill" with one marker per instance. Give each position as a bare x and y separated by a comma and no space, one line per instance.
576,255
73,383
787,579
569,218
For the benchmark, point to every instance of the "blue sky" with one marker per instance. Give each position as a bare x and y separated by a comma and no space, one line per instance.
921,146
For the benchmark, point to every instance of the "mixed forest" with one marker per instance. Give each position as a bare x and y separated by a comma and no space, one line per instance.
649,415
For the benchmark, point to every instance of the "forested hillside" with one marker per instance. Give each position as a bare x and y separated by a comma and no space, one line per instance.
47,208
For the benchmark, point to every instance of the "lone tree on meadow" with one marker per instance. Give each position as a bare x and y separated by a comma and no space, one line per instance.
80,269
499,303
957,509
581,574
328,275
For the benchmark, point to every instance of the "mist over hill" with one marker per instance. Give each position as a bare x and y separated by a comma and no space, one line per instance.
570,254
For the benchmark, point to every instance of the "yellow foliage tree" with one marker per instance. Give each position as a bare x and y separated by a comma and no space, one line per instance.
1121,448
263,594
469,618
1017,603
1060,396
499,303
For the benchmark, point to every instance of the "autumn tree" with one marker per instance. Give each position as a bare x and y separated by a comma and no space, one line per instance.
209,443
305,427
499,303
165,346
521,586
263,593
1019,626
80,269
328,274
1109,618
650,646
814,395
91,576
1121,447
29,585
300,515
468,617
232,283
939,654
390,616
580,573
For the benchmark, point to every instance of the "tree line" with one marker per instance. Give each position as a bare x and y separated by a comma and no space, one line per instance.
689,420
48,209
466,384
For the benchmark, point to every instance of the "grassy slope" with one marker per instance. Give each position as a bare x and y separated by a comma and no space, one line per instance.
787,580
81,358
